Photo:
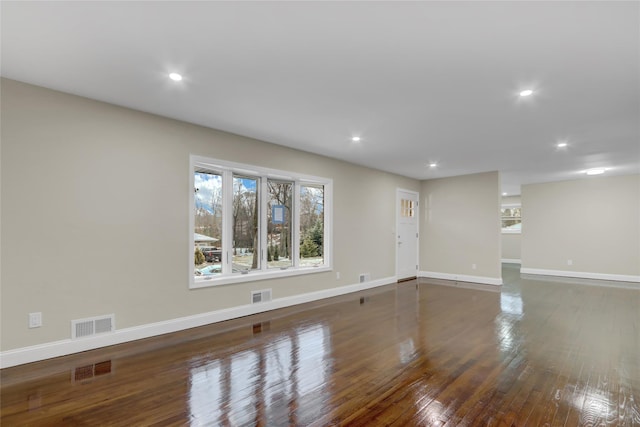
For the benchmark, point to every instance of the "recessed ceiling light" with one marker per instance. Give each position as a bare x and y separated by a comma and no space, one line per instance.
595,171
356,139
526,92
562,144
504,194
433,165
175,77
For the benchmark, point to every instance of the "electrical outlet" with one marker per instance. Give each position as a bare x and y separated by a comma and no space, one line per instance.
337,275
473,266
569,262
35,320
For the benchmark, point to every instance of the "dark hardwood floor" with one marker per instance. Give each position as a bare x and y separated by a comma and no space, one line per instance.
534,352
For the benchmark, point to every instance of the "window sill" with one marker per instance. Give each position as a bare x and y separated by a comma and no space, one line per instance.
511,232
201,282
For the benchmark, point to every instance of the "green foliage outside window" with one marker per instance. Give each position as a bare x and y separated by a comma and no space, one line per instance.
199,257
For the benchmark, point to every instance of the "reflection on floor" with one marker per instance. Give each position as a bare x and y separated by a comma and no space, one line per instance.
533,352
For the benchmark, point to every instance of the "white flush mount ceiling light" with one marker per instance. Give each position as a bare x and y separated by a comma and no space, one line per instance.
526,92
433,165
356,139
175,77
562,144
595,171
504,194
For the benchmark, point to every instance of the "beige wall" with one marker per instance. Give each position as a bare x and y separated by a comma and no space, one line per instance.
95,215
513,200
593,222
461,225
511,246
511,241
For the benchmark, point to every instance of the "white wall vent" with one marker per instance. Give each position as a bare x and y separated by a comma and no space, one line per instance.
260,296
81,328
365,277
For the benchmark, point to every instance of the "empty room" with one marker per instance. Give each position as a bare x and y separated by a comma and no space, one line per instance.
300,213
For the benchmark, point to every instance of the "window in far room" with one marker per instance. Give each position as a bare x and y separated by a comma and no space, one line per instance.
511,218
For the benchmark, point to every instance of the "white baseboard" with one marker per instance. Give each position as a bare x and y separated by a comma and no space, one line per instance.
511,261
462,278
581,275
49,350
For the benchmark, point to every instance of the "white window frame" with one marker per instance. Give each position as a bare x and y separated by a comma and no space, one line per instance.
507,206
227,169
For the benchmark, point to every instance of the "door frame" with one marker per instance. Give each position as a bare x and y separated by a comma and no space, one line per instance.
397,228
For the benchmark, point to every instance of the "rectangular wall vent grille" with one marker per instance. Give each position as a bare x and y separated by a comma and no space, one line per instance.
260,296
84,329
103,325
92,326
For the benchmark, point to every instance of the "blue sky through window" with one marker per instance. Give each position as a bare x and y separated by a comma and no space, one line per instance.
209,187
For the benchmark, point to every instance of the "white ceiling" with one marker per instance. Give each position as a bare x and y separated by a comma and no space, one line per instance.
417,81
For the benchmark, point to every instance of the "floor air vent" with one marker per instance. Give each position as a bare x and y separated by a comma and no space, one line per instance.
92,326
258,328
260,296
83,373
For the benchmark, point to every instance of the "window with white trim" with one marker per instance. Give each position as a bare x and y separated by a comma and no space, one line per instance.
251,223
511,216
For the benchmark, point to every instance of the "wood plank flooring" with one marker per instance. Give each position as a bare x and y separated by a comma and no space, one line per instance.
425,353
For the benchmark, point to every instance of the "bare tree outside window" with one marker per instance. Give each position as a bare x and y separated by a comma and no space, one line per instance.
311,225
245,223
207,222
279,227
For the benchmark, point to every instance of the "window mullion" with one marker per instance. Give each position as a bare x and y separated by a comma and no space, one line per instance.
227,222
295,224
263,223
328,224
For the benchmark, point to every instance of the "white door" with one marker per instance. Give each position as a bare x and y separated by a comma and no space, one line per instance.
407,234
